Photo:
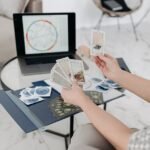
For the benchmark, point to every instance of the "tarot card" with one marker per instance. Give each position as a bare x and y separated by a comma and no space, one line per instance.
112,84
25,93
58,79
64,64
77,70
58,69
110,81
103,86
96,80
31,90
43,91
101,89
31,100
27,96
116,86
97,42
55,86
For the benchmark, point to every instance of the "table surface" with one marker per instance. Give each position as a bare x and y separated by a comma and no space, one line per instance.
12,77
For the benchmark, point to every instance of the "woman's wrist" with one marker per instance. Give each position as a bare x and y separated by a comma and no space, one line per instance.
117,76
84,102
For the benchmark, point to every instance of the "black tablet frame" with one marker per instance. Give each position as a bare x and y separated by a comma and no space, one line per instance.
20,42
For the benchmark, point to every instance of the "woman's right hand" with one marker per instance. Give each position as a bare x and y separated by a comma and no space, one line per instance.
74,95
108,65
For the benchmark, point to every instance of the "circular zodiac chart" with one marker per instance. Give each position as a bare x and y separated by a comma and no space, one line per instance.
41,35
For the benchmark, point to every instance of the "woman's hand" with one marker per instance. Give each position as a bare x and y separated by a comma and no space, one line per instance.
74,96
108,65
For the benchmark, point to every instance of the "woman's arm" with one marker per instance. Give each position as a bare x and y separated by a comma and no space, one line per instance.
112,129
135,84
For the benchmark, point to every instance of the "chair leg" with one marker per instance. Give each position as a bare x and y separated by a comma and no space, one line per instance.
134,28
98,26
144,16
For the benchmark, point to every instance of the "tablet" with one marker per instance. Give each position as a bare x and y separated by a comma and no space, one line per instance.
45,35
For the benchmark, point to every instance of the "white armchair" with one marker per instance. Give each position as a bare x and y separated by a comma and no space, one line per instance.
128,7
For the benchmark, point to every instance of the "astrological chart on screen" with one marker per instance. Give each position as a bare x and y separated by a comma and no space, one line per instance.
45,34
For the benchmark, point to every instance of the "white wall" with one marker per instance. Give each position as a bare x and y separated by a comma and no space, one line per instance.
87,13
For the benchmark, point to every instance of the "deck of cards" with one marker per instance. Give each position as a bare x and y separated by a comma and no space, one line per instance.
33,95
97,42
66,70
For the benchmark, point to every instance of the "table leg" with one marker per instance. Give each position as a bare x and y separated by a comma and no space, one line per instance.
71,126
105,106
65,136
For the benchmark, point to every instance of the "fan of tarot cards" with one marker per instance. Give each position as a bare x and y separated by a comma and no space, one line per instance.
66,70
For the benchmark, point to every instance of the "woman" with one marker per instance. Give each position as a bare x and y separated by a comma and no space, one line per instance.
106,132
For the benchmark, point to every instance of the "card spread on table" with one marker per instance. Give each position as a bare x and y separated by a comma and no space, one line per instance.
97,42
66,70
33,95
106,85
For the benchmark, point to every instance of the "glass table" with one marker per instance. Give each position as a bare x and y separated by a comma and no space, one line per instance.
13,79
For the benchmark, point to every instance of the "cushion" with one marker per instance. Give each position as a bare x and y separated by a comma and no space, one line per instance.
133,4
8,7
7,39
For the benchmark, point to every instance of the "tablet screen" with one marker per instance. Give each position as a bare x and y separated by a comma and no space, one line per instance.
45,33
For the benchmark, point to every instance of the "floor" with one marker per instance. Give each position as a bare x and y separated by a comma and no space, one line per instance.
131,110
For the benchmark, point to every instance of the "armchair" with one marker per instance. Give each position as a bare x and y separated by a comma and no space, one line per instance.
126,10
